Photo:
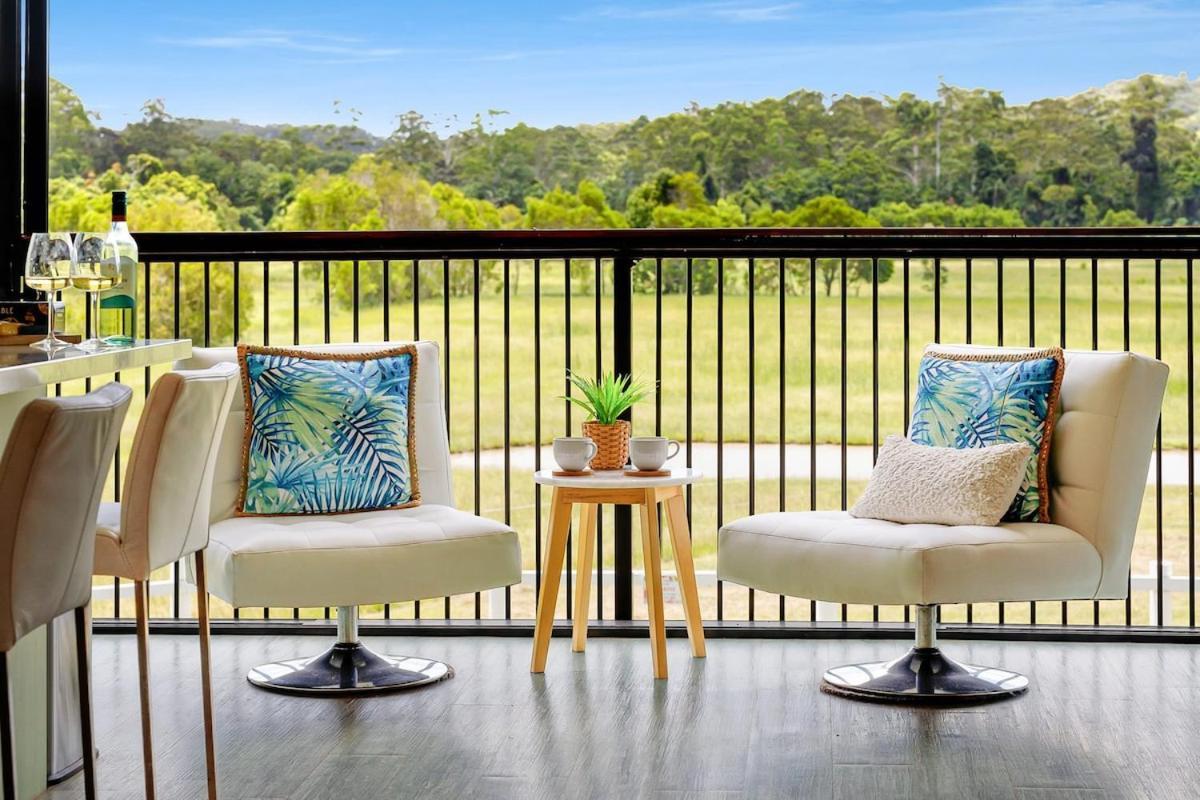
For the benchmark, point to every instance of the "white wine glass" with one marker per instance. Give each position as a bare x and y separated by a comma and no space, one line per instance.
95,270
48,264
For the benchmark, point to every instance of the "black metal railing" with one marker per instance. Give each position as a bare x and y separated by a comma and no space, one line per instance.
781,358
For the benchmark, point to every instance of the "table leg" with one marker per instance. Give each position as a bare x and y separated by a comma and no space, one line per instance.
681,543
583,575
556,548
652,564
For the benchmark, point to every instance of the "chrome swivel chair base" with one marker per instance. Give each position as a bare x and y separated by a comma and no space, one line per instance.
923,676
348,668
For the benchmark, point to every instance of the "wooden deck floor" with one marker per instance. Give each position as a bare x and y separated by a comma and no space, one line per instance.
1101,721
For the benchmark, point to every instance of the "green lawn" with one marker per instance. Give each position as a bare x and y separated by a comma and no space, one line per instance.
733,395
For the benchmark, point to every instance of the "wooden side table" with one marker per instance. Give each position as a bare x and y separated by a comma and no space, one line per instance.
616,488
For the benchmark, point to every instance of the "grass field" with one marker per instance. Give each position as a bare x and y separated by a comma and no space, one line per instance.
731,349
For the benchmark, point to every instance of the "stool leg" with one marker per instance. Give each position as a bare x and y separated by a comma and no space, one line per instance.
86,731
6,732
652,565
681,543
210,755
141,590
583,575
556,548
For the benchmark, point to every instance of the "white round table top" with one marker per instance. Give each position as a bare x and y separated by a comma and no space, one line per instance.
616,479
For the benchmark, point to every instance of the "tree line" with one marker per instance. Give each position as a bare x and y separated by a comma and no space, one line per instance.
965,158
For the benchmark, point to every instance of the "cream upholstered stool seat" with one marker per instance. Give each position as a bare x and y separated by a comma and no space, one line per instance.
1099,455
348,560
163,517
51,477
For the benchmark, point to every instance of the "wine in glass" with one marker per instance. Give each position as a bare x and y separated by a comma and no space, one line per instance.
95,270
48,264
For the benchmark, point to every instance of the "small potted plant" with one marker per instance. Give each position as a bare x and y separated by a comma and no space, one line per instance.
604,401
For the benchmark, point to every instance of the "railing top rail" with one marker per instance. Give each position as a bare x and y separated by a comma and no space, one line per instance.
1150,242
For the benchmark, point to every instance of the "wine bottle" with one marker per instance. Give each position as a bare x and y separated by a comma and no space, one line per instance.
118,306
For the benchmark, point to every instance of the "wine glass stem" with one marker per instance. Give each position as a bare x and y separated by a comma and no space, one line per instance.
50,318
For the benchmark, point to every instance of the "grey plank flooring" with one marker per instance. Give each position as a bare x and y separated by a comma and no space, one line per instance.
1101,721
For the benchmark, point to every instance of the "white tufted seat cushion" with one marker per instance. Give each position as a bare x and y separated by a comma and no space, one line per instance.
832,556
357,559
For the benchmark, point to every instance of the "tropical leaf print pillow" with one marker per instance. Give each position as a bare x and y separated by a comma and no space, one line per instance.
979,398
327,433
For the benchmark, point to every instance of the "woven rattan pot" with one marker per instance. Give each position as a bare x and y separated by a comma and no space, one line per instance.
612,443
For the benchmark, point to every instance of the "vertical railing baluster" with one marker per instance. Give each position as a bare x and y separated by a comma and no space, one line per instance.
445,382
874,378
385,300
1191,453
355,283
782,403
385,267
750,348
969,313
266,337
475,388
1125,338
1032,343
177,577
658,328
177,566
720,419
599,340
690,325
1095,346
568,561
906,365
325,299
622,325
295,302
842,330
266,280
968,325
1158,469
416,294
1000,343
1062,342
937,299
813,266
537,425
507,426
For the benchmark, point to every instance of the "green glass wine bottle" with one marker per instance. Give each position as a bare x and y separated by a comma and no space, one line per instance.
118,305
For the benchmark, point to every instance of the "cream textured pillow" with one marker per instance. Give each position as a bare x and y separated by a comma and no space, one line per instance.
914,483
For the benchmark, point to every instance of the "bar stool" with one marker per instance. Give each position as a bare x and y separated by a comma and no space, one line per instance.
51,477
163,517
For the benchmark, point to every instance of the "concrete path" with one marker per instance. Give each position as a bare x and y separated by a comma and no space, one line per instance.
736,458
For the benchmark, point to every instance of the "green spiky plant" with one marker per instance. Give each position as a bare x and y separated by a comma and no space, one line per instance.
606,399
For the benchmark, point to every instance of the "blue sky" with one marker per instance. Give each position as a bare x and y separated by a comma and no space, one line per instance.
310,61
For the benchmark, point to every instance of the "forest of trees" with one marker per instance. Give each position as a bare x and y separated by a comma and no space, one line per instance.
964,159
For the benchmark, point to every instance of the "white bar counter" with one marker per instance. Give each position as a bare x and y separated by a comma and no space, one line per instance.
25,374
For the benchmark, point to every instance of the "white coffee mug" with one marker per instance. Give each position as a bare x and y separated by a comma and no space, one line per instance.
649,453
574,453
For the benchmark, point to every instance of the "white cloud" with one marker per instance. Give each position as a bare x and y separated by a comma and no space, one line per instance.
731,11
340,49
